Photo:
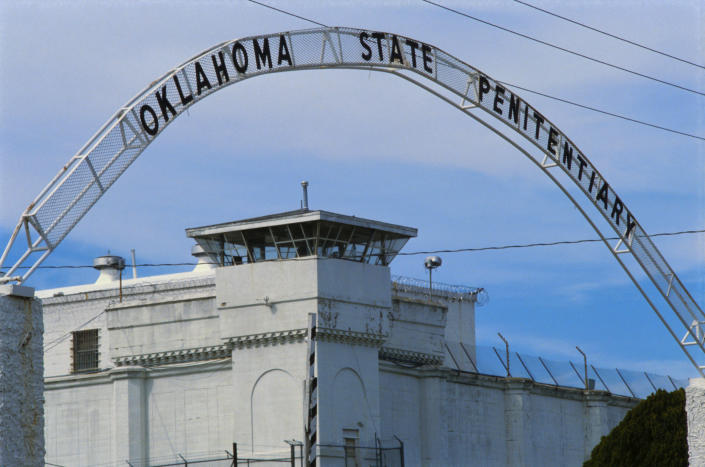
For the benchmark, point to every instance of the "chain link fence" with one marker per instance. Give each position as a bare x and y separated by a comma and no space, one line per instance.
490,360
386,453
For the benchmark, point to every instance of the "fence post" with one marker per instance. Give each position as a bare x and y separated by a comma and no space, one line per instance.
468,355
378,450
401,450
525,367
577,373
234,454
601,380
548,371
650,382
587,385
506,344
675,388
625,382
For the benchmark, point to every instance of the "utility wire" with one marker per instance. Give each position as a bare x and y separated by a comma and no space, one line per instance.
614,36
287,13
410,253
63,337
604,112
596,60
531,245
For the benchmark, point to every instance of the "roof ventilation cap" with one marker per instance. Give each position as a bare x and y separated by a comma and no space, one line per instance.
205,263
109,267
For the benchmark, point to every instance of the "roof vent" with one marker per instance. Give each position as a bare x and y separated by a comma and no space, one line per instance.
204,260
109,267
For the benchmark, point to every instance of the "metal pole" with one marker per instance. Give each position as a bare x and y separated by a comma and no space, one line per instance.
601,380
577,373
674,384
650,382
587,388
234,454
457,367
468,355
304,185
430,283
293,455
401,450
548,371
525,367
134,264
625,382
506,345
378,446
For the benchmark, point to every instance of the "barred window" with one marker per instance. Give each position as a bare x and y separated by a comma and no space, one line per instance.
85,350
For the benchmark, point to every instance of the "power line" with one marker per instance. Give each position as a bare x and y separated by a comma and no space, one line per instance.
287,13
614,36
596,60
410,253
604,112
532,245
63,337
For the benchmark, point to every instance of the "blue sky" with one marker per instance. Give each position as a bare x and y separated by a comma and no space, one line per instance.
376,147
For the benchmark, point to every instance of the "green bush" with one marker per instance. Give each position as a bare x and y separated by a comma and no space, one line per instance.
654,433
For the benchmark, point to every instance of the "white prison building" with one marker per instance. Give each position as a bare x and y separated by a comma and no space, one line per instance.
291,328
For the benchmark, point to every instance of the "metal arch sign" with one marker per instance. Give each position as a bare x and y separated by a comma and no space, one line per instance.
101,161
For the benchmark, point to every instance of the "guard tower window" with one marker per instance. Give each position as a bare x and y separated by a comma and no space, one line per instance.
303,233
85,350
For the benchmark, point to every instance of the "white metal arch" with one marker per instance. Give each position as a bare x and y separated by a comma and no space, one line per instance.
101,161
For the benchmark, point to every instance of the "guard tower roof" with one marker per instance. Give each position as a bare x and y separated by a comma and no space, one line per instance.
302,233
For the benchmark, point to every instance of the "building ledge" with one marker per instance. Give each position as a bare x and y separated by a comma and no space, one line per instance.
198,354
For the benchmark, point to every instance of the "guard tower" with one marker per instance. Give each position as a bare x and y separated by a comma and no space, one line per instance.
302,234
304,299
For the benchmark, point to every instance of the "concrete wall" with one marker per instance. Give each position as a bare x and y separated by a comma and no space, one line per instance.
695,410
136,413
83,307
191,364
443,419
190,412
79,420
267,327
268,397
446,419
21,384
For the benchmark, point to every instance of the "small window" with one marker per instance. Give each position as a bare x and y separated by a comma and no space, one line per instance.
85,350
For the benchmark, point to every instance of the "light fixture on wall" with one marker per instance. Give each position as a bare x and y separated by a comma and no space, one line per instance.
431,263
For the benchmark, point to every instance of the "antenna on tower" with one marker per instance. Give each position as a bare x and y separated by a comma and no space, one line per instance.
304,203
